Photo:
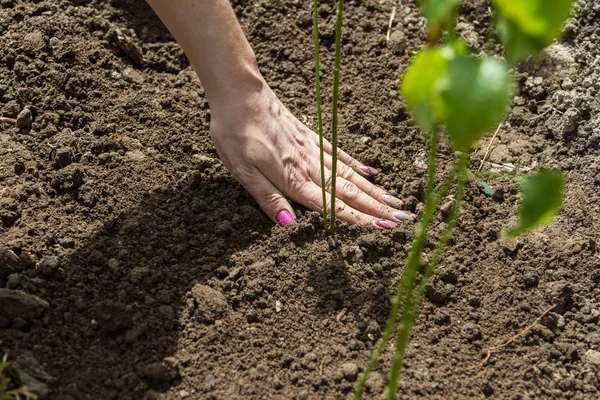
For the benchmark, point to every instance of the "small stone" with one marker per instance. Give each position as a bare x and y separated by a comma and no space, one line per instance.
63,157
566,384
558,293
13,281
510,247
397,42
446,208
15,303
165,370
48,266
210,304
134,334
224,228
278,306
25,118
112,316
67,242
133,76
9,262
498,193
139,273
33,43
349,371
592,357
487,389
471,332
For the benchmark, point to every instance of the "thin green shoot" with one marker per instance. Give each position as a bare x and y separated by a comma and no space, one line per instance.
319,109
410,270
413,299
334,124
14,394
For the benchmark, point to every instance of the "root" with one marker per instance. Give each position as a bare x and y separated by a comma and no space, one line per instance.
495,349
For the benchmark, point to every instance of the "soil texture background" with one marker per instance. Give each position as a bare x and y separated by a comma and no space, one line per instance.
133,266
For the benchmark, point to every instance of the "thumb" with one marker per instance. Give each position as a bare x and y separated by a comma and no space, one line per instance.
271,201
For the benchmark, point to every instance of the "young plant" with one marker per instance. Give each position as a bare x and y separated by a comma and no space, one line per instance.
15,394
468,94
328,223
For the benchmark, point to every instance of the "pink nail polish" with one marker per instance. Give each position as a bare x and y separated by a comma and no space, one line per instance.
391,201
404,216
284,218
382,223
369,170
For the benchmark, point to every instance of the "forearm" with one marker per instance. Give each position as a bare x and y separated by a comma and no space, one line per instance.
211,37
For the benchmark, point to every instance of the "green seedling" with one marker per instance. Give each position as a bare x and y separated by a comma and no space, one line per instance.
319,110
13,394
468,95
329,224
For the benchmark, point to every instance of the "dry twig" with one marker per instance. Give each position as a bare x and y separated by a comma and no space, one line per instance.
487,151
392,16
11,121
494,349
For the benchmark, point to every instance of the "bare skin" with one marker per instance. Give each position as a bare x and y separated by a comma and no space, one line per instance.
268,150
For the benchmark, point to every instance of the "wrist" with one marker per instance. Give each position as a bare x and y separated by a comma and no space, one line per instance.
233,87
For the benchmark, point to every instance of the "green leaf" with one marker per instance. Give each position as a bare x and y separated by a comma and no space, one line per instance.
542,198
527,26
475,93
420,88
438,13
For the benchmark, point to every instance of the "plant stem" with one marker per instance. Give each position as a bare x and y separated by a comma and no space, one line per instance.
319,110
410,270
334,125
452,219
413,299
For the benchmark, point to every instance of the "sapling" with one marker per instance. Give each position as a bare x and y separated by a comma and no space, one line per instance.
448,86
328,211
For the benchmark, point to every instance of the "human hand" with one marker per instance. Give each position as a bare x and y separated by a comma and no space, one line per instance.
276,157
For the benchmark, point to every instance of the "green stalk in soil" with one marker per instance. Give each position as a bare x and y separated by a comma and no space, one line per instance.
407,281
319,109
334,125
414,297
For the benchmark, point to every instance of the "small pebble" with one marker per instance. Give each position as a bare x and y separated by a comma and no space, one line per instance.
349,371
48,266
25,118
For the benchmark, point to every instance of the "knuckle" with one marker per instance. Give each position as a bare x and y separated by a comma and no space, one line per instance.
268,199
347,172
299,179
350,190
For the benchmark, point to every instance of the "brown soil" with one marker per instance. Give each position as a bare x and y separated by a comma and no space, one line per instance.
164,280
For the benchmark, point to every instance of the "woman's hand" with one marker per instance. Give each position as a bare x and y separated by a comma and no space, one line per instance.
264,146
276,157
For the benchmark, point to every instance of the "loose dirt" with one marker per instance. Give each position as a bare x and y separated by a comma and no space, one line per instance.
136,267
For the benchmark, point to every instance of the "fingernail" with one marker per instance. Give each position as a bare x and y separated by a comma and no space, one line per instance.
382,223
404,216
284,218
369,170
391,201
